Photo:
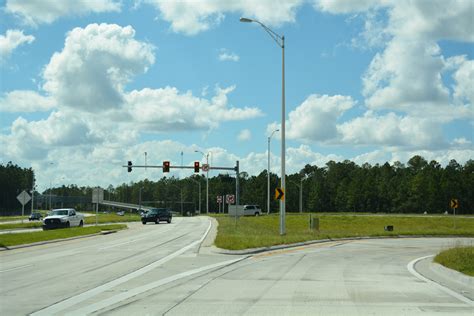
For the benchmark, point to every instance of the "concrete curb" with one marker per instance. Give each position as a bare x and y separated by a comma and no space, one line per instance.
252,251
105,232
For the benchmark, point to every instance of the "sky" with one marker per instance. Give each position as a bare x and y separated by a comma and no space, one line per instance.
87,85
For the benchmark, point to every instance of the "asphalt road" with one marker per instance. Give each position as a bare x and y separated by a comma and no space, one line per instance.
160,269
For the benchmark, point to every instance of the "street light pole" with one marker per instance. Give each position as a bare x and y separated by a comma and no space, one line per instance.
268,172
207,180
280,40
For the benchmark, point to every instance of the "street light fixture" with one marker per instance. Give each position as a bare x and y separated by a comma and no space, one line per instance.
268,171
207,180
280,40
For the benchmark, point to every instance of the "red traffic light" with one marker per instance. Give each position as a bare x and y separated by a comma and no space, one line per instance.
166,166
196,166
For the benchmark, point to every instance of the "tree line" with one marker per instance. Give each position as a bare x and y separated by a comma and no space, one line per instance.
417,187
13,180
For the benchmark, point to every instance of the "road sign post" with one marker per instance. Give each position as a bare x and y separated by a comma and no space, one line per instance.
97,197
454,205
23,198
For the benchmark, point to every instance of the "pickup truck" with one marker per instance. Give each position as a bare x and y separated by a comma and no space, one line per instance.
245,210
63,218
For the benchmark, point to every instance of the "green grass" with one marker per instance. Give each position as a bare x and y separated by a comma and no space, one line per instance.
26,224
12,218
263,231
459,258
7,240
113,218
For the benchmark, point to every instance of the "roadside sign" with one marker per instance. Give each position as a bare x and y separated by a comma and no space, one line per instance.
23,197
205,167
230,199
454,203
279,194
219,199
97,195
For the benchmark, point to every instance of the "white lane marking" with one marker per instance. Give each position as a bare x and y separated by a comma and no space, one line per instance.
17,268
411,268
123,243
144,288
58,307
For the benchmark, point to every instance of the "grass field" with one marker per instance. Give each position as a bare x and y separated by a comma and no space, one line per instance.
113,218
7,240
458,258
102,219
263,231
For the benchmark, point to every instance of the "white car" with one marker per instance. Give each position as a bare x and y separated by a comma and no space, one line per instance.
63,218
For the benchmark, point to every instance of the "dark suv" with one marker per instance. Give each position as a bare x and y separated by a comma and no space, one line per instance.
35,217
157,215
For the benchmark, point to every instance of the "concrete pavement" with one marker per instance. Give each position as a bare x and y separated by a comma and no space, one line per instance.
172,269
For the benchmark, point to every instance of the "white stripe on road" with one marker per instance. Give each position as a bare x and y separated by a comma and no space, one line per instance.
28,265
58,307
142,289
411,268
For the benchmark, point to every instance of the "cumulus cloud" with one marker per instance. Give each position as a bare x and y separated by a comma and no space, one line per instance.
392,130
225,55
25,101
47,11
166,109
94,65
11,40
33,140
315,119
407,75
192,17
244,135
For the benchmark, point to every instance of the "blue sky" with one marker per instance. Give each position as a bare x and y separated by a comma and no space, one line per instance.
88,85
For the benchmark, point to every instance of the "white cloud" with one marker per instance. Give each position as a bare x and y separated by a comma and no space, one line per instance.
47,11
244,135
192,17
225,55
166,109
33,140
315,119
93,67
344,6
25,101
392,130
11,40
407,75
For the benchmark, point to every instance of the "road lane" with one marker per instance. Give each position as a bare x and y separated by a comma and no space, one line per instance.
55,272
339,278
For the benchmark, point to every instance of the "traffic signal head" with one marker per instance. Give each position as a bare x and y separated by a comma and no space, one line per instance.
129,168
166,166
196,166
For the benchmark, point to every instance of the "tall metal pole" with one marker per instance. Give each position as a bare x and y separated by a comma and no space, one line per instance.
268,172
280,40
301,195
50,184
237,184
283,174
199,196
207,185
181,185
268,178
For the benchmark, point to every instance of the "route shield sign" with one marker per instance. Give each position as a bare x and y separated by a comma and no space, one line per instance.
23,197
219,199
454,203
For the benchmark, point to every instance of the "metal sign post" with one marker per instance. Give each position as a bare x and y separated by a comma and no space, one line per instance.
23,198
97,197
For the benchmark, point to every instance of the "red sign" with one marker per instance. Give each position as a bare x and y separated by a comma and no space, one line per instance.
230,199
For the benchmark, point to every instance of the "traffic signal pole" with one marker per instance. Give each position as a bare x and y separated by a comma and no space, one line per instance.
130,166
